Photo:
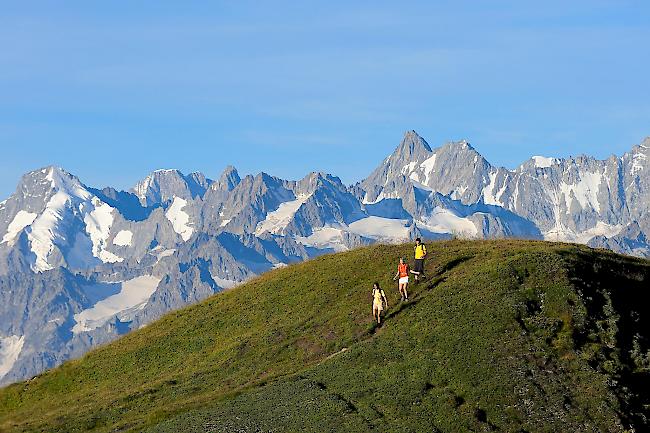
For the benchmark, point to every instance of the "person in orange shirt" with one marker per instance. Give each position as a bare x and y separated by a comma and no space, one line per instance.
403,282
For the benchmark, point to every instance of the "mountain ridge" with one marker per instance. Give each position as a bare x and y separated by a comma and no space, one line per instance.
195,236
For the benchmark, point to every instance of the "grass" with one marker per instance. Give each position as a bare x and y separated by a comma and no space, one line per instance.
502,336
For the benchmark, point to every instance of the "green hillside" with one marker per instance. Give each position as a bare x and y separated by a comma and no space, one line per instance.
510,336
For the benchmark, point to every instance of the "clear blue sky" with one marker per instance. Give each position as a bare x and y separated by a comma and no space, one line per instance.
112,90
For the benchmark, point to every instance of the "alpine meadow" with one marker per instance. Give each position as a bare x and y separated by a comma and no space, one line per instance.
309,217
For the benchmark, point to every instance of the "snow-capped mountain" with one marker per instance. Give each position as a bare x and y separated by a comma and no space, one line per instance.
577,199
80,266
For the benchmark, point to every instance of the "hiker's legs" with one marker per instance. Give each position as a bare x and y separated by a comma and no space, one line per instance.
418,269
406,294
400,286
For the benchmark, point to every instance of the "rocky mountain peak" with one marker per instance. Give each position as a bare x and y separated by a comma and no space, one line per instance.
459,147
228,180
411,148
47,181
315,180
162,185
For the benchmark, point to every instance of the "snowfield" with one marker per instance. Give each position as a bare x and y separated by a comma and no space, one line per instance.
375,227
123,238
276,221
132,295
585,191
543,161
445,221
20,221
180,220
324,238
98,226
10,348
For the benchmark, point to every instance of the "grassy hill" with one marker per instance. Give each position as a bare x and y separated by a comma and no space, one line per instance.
512,336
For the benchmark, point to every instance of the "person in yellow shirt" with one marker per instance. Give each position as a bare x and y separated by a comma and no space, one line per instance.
378,302
420,255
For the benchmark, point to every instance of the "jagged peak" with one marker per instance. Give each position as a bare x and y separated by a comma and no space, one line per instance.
230,172
460,145
263,178
316,175
229,179
318,178
167,171
144,184
412,144
48,172
645,144
53,178
539,161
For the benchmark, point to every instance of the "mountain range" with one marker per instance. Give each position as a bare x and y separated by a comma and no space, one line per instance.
80,266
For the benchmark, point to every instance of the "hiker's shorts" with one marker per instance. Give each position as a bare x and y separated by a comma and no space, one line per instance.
404,280
418,266
379,306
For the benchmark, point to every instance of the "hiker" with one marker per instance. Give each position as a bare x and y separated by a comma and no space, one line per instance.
403,275
379,302
420,255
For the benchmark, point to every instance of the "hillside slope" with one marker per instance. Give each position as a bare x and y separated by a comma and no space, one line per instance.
503,336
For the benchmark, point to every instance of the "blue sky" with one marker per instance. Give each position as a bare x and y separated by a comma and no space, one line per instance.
113,90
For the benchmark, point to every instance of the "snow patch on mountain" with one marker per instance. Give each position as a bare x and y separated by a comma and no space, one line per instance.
20,221
543,161
420,173
458,192
225,283
375,227
10,348
324,238
132,296
489,196
43,231
638,160
428,167
98,226
123,238
408,168
380,197
67,184
161,252
140,189
563,234
331,237
276,221
180,220
442,220
585,191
